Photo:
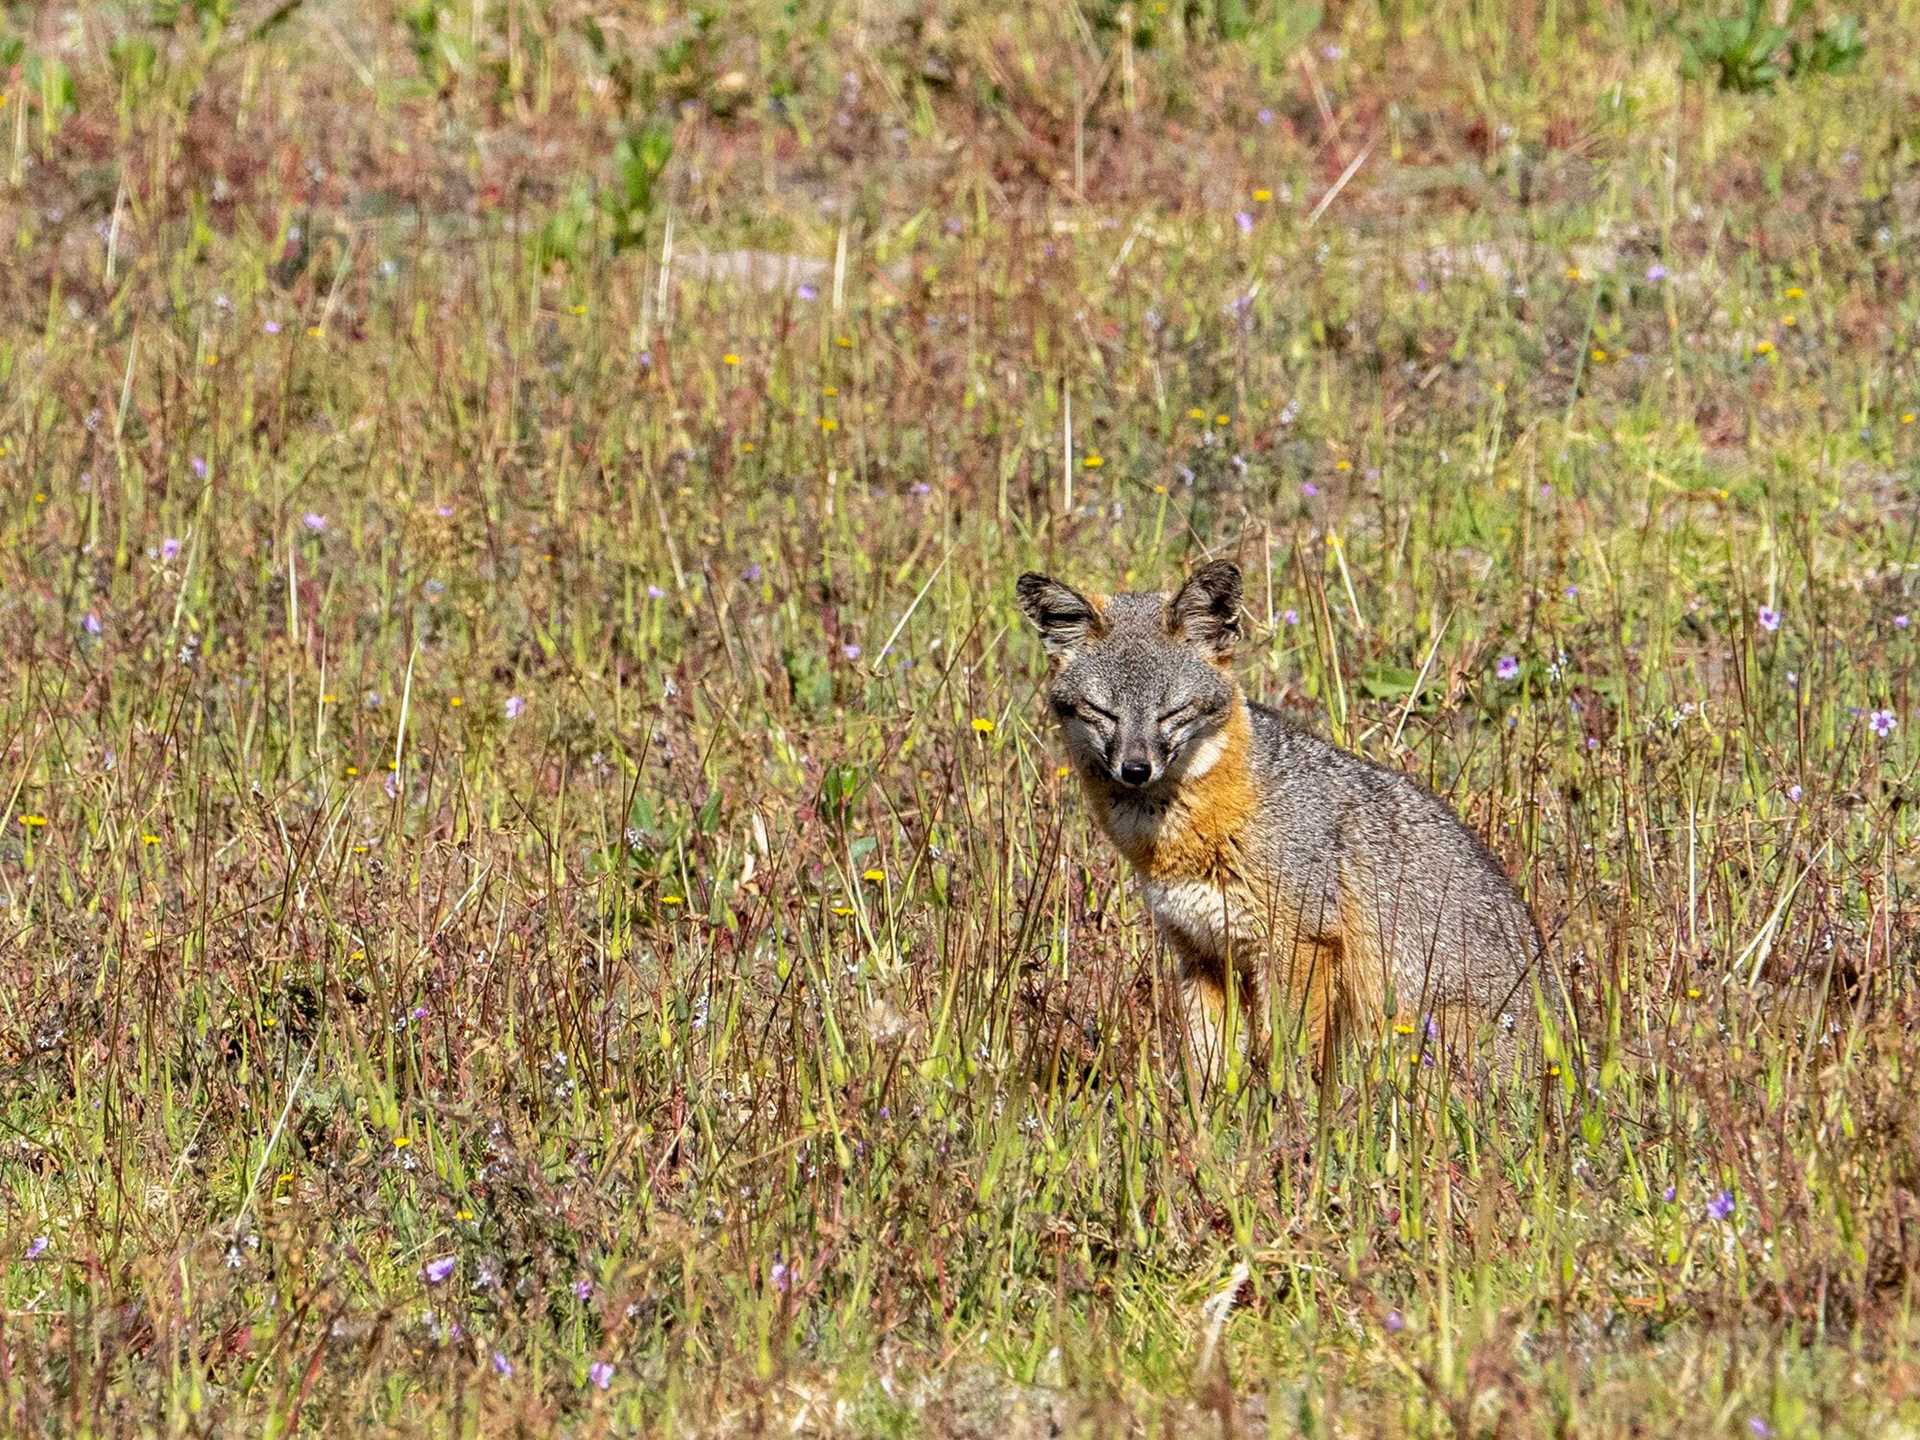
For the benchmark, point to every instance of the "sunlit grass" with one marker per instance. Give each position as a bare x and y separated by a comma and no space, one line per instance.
536,889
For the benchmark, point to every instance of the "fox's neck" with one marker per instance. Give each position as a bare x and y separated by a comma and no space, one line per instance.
1187,831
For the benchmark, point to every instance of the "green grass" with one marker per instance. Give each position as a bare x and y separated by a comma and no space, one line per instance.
520,763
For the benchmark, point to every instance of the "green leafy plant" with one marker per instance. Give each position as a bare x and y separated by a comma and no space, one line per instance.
1750,53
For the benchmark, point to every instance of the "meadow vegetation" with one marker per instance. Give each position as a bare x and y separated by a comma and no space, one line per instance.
536,894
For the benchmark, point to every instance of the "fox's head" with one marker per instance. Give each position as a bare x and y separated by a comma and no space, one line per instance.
1141,684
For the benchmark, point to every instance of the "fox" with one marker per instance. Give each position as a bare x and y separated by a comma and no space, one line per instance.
1286,876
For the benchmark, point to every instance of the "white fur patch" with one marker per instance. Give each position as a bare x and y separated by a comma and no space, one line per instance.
1204,756
1206,916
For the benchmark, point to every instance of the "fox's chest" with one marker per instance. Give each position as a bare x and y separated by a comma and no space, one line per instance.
1210,916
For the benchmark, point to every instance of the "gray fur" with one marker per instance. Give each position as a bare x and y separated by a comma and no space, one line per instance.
1334,840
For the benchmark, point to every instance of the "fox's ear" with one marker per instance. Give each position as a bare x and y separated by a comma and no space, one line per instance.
1063,616
1206,612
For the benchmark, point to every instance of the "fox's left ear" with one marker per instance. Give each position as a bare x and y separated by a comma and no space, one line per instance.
1064,617
1206,612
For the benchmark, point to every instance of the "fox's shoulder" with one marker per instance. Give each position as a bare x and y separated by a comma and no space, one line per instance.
1373,798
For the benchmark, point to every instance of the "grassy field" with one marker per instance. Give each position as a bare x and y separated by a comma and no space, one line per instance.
537,894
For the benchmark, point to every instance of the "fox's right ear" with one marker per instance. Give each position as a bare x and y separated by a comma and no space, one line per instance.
1064,617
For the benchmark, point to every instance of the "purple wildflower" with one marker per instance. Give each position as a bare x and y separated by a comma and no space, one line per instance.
601,1374
437,1271
1883,722
1309,489
782,1276
807,292
514,706
1508,668
920,487
1245,221
850,650
583,1290
502,1366
1395,1322
199,467
1290,617
91,623
1668,1194
1794,792
445,512
1769,618
314,521
1757,1426
170,549
1572,592
1900,622
1265,117
654,592
751,574
38,1247
1720,1207
1656,272
417,1014
272,327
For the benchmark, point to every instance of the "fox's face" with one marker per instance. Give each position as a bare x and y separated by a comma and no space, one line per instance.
1140,683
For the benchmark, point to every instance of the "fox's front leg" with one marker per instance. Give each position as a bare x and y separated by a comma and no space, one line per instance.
1218,1023
1311,977
1201,1016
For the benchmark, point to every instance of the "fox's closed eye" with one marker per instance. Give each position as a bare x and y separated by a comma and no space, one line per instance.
1178,712
1082,710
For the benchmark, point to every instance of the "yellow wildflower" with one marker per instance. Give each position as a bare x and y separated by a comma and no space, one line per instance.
982,724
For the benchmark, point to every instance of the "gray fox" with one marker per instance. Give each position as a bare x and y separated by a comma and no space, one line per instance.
1278,867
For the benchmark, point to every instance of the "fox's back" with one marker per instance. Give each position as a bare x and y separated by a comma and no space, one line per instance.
1373,846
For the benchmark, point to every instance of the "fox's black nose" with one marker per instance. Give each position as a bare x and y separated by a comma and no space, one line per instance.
1135,772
